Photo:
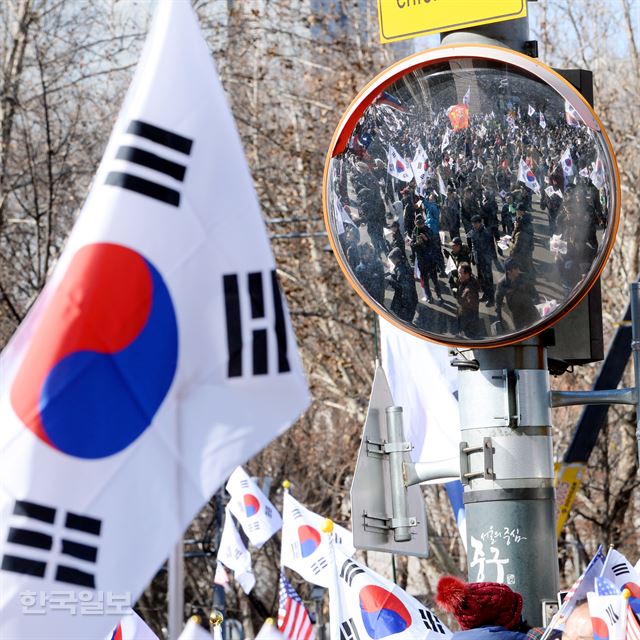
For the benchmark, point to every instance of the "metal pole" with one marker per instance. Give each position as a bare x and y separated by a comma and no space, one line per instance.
398,489
507,472
634,293
506,451
175,591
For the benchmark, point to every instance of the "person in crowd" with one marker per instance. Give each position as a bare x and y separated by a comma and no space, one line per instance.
578,625
458,253
516,289
469,208
426,254
397,239
468,298
484,251
508,215
523,240
484,610
432,220
370,272
405,298
451,213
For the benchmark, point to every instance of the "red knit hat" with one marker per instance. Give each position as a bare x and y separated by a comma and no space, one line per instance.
476,604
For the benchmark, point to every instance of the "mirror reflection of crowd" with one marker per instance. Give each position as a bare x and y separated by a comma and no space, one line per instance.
467,231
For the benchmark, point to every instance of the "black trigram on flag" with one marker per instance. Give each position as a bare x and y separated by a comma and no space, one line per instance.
620,569
349,571
35,544
164,190
613,616
296,513
431,621
319,565
260,335
348,630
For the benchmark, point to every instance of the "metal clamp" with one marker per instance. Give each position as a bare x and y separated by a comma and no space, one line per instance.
487,450
384,523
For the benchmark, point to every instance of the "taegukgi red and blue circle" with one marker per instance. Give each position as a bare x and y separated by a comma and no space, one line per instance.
103,356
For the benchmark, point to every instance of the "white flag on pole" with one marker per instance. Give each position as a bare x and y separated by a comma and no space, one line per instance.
441,185
608,616
158,358
420,166
445,140
234,555
193,630
269,631
531,110
543,122
623,574
304,546
398,167
597,176
423,382
363,604
528,177
131,627
567,163
341,215
258,518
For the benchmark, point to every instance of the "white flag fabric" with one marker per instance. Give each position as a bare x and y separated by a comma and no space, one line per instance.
269,631
441,186
158,358
531,110
571,115
579,590
445,140
567,163
527,176
305,547
608,616
131,627
221,577
193,630
467,97
597,176
398,167
450,267
543,122
234,555
341,215
363,604
258,518
623,574
423,382
420,166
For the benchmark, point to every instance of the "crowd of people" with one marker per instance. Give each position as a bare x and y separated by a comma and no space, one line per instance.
492,228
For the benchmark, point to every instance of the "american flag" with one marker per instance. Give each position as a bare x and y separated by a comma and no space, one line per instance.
633,628
605,587
293,620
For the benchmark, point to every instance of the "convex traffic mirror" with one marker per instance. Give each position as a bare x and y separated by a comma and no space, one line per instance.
471,195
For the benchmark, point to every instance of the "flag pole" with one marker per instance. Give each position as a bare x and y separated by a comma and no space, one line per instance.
635,350
175,590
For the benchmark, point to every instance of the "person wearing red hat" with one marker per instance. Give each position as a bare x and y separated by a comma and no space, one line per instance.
484,610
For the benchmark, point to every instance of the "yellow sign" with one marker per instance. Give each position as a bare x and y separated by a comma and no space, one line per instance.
567,482
402,19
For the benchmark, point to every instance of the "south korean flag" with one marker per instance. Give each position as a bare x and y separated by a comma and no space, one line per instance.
365,605
305,548
258,518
